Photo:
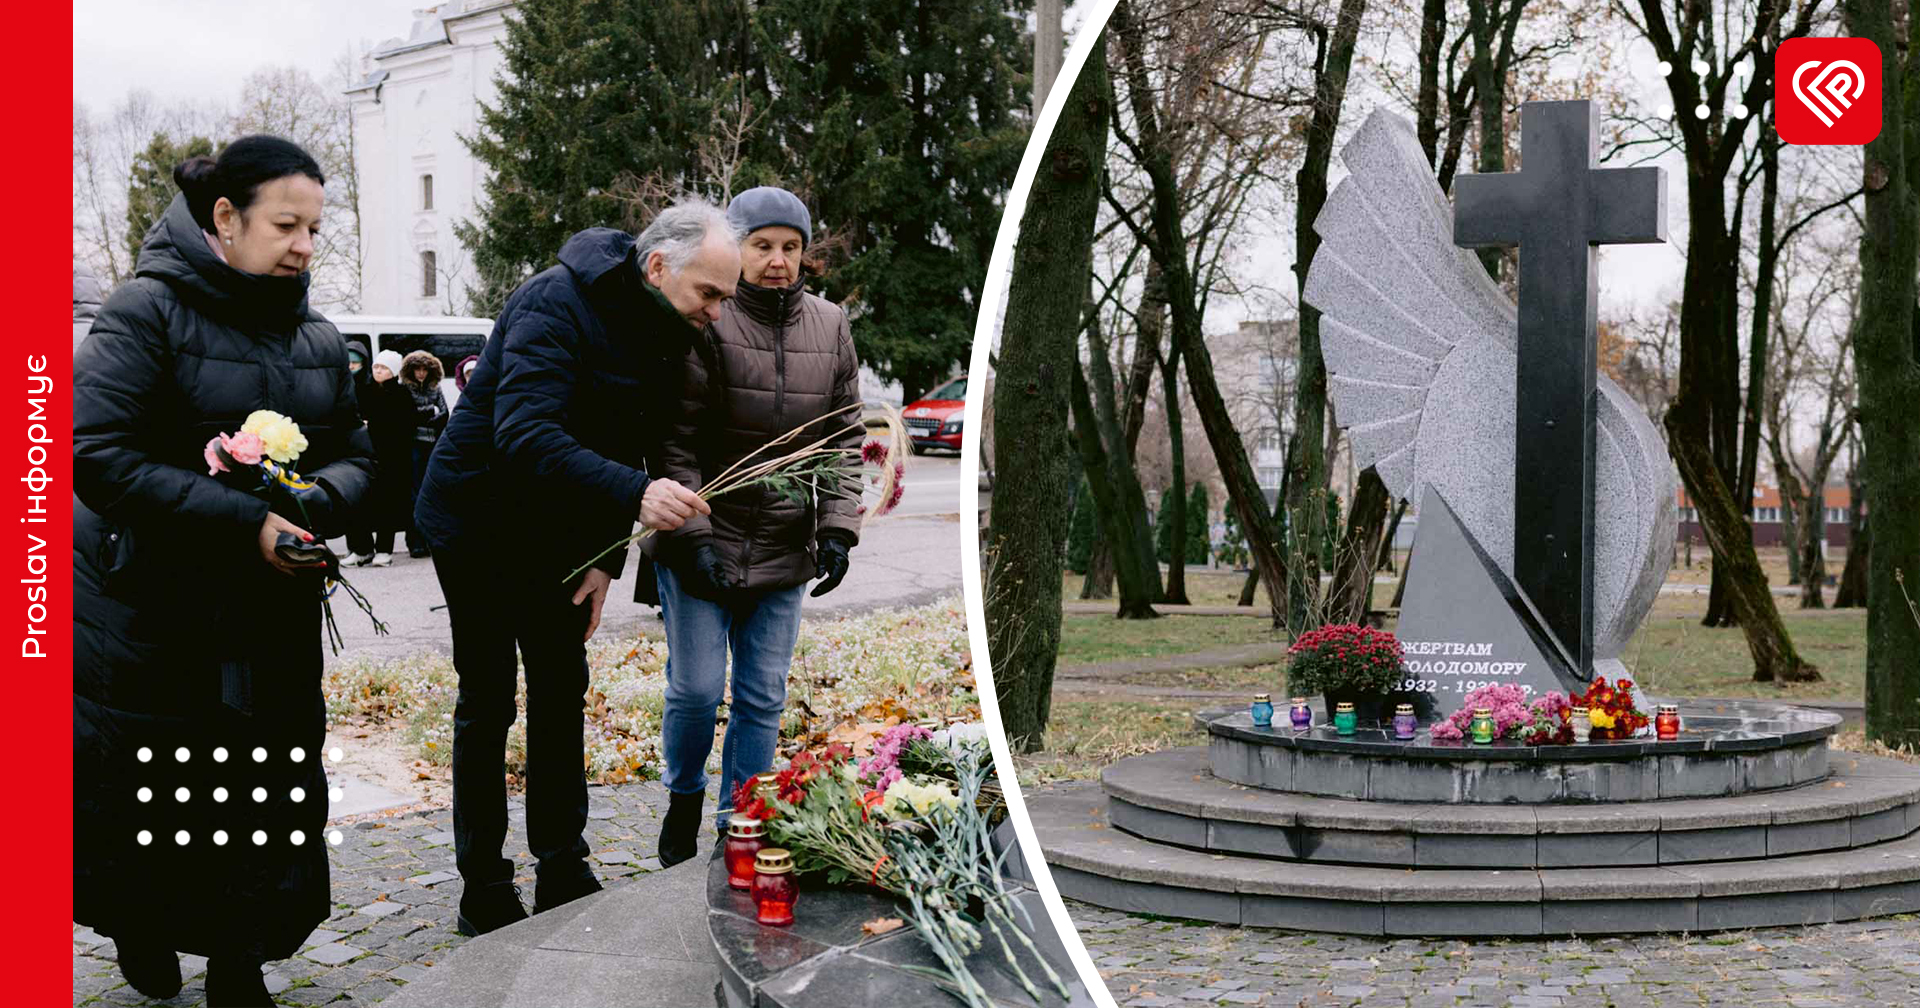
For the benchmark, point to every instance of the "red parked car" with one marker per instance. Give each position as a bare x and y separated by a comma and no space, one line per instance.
934,419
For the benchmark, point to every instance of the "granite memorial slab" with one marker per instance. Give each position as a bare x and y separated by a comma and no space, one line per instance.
1492,418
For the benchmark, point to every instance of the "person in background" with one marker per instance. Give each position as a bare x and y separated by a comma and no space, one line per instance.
197,643
420,373
777,358
464,370
388,406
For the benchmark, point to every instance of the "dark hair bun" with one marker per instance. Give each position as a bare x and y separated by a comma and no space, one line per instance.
193,173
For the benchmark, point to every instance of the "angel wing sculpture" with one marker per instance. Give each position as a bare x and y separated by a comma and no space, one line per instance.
1420,347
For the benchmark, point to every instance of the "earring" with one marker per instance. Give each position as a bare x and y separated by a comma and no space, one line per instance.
227,240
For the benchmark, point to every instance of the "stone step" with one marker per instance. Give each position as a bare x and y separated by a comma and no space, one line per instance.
1173,797
1092,861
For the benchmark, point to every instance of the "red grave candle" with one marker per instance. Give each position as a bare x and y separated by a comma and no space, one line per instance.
774,892
745,838
1666,724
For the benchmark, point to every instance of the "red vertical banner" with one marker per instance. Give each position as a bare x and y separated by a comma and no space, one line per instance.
37,366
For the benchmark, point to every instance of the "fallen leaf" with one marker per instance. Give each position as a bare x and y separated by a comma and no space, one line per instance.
882,925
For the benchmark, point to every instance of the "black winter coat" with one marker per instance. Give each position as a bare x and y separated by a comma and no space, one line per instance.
184,638
545,459
389,409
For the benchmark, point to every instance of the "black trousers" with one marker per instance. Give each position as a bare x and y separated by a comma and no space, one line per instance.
364,542
494,608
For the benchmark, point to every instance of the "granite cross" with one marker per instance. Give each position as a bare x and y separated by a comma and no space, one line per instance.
1557,208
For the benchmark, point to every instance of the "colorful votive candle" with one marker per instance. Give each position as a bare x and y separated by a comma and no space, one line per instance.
1404,722
1344,720
1582,724
1300,714
774,891
746,837
1666,723
1262,710
1483,725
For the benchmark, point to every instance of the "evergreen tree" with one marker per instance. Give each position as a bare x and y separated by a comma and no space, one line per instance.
1163,526
904,123
1233,544
606,110
1080,534
150,185
1199,538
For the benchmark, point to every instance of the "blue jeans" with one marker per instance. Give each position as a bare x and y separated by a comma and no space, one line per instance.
699,635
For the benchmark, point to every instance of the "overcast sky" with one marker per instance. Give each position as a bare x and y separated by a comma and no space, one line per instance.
200,50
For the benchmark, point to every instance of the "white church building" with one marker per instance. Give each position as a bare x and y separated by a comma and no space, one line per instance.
420,95
417,180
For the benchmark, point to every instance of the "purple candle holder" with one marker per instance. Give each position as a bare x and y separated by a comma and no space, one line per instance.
1404,722
1300,714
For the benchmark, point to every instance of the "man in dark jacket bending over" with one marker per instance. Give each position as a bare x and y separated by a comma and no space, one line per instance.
542,466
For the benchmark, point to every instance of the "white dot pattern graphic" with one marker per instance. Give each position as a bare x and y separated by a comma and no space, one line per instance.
145,837
145,794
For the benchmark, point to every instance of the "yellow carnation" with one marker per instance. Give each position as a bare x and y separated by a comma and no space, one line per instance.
1600,718
282,439
908,797
258,419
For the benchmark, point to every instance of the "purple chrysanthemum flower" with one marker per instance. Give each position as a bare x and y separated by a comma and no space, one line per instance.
874,452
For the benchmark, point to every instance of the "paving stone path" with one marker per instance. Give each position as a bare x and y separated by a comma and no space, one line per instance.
394,895
1151,962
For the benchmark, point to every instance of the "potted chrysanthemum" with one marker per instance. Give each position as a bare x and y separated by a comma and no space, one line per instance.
1345,662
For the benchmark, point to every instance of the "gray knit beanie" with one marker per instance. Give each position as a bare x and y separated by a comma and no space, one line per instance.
770,206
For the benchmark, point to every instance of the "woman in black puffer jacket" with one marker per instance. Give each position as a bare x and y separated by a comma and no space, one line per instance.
200,798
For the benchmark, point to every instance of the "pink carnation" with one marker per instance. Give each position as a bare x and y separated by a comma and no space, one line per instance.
243,448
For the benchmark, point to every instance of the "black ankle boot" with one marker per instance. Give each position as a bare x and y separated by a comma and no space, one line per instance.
562,882
234,981
152,969
680,830
488,907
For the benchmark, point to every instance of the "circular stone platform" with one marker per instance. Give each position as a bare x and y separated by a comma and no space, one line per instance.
1725,748
1161,835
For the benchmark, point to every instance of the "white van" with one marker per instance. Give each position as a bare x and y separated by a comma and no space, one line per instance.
452,338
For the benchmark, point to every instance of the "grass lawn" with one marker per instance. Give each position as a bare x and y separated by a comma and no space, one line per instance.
1084,737
1674,655
1086,638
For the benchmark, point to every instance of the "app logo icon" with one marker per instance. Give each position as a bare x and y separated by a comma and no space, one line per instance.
1827,90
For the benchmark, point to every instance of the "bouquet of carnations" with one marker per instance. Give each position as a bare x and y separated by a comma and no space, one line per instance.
1610,707
918,836
878,465
259,459
1544,721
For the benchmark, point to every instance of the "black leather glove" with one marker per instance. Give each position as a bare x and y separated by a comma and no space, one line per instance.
829,563
710,572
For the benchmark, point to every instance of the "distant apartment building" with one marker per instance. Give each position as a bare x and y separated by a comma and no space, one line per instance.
1768,530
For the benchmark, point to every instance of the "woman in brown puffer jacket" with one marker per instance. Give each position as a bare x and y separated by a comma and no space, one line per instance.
777,358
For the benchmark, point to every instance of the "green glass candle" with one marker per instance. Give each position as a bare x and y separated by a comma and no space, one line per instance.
1344,719
1483,725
